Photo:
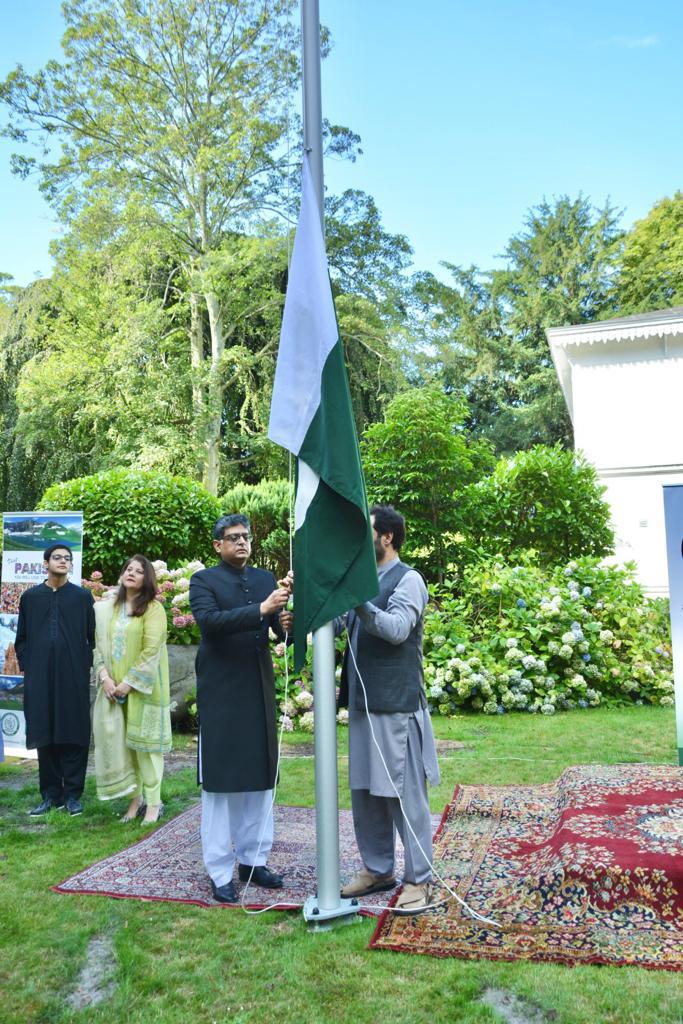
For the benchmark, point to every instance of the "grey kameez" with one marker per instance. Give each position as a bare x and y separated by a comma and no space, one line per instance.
366,771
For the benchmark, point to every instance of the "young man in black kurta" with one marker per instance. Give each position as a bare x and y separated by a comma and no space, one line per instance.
235,605
54,645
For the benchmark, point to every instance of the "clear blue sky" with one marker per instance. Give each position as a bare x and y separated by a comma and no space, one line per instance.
469,114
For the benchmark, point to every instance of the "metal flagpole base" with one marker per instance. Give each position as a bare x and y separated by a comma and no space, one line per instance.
346,912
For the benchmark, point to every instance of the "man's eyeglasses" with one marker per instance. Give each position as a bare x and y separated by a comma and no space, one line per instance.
61,558
235,538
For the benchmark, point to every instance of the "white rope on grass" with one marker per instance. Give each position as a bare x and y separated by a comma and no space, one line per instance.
394,910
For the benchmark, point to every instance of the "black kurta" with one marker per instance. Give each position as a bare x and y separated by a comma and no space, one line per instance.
54,645
235,681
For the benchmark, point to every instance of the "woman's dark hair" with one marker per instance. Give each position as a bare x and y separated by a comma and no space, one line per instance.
149,586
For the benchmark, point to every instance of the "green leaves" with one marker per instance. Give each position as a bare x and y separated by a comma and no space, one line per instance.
127,511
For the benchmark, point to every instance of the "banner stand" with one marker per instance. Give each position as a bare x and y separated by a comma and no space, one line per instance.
673,517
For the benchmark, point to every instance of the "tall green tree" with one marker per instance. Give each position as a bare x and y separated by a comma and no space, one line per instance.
488,328
651,267
419,459
174,112
168,124
26,320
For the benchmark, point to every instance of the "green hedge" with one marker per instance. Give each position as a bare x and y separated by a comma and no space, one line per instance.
127,511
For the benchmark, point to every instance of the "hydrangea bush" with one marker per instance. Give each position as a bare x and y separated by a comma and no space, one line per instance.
296,704
523,638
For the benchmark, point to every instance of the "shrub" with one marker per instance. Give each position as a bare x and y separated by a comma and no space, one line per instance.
267,505
547,499
127,511
529,638
419,460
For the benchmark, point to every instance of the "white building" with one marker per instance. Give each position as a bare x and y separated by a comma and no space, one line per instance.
623,383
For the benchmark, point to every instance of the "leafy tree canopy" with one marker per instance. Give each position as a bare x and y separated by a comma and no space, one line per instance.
486,331
418,460
651,267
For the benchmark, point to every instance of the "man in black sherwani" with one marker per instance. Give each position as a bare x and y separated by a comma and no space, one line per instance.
235,605
54,646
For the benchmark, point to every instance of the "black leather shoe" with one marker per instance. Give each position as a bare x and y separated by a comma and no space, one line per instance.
74,806
44,807
224,893
260,875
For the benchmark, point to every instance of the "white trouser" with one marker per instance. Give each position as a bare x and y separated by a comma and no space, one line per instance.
235,826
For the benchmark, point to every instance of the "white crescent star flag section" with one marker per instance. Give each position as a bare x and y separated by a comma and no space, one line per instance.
311,416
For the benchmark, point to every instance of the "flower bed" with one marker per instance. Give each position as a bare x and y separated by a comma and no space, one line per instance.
523,638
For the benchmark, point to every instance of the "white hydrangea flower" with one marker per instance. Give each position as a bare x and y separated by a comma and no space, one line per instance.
304,699
306,722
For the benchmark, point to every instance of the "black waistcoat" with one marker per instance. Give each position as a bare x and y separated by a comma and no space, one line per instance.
392,673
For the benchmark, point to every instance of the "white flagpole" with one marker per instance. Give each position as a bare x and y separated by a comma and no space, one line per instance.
327,904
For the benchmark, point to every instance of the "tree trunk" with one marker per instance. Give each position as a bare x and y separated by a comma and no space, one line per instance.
197,365
214,415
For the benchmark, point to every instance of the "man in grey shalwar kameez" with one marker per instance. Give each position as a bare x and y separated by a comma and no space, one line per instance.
386,641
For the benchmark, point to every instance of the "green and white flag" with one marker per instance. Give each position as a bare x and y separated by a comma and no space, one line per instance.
311,416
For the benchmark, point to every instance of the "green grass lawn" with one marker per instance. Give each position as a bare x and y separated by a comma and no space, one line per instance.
175,963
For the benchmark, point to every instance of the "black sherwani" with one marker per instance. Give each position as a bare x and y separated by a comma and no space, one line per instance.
235,681
54,645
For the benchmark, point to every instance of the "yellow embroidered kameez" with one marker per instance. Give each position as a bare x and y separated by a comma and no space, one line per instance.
131,739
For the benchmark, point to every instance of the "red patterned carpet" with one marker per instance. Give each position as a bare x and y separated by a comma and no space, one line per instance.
167,864
586,870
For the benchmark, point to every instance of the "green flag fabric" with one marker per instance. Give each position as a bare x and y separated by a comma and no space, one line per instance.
311,416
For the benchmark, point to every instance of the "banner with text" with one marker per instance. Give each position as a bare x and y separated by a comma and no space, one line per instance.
25,535
673,516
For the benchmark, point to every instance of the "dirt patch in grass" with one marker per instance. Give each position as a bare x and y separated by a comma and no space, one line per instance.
514,1010
96,982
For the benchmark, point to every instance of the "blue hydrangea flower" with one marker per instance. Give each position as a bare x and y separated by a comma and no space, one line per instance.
501,709
521,603
586,657
586,591
582,703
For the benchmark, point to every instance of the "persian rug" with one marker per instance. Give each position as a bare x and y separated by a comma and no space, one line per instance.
167,865
585,870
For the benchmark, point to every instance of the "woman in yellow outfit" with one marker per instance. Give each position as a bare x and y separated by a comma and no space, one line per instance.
132,717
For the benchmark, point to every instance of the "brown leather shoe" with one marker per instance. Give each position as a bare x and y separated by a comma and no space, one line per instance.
413,899
366,882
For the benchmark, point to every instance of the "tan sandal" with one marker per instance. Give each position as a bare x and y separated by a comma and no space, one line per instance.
129,816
